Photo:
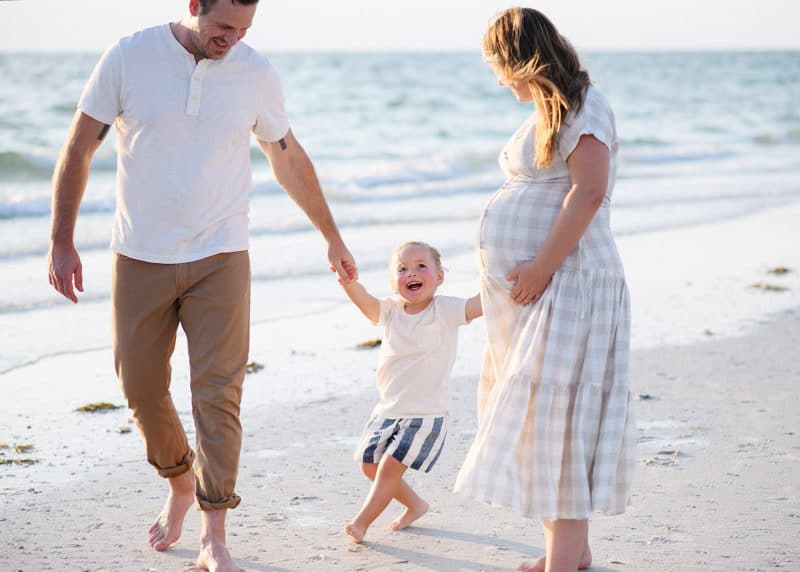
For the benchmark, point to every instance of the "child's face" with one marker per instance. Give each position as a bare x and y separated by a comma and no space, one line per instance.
415,275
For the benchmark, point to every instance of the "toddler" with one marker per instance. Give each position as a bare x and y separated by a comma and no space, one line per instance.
408,426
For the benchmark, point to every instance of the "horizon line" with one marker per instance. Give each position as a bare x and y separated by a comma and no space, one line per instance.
400,51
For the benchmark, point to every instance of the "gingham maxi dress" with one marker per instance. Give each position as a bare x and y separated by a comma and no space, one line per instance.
556,435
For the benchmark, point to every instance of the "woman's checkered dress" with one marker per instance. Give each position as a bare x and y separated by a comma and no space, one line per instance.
556,437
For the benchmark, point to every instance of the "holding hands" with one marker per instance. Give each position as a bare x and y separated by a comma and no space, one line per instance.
342,262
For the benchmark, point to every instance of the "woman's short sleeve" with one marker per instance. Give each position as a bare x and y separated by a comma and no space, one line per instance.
595,118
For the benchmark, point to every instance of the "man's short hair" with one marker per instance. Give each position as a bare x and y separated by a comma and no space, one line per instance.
207,5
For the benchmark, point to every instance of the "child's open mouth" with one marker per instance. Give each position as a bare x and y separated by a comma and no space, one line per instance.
414,285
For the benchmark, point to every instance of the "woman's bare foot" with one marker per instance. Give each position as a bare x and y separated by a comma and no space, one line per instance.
166,530
541,563
215,557
410,514
356,533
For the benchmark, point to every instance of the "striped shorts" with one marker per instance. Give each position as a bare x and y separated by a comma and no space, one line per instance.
416,442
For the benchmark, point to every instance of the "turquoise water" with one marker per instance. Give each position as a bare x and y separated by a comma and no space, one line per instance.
398,138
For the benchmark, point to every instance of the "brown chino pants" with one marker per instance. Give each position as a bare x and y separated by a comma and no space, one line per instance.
210,299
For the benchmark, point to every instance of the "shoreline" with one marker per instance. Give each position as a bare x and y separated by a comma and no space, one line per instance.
714,490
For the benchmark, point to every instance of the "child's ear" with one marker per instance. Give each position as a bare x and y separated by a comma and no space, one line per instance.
440,276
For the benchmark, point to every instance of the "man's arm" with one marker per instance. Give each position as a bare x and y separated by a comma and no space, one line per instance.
369,305
295,173
69,182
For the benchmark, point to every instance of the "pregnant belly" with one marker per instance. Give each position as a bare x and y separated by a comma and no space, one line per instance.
516,222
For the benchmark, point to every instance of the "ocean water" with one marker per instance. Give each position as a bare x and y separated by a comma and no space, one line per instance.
401,139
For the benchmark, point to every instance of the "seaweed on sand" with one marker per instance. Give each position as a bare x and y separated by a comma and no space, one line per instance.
254,366
769,287
23,461
19,448
98,406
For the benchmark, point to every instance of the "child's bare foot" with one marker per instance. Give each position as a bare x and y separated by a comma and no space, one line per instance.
540,564
166,530
409,516
356,533
215,557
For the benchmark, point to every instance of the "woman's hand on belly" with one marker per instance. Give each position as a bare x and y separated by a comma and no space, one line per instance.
530,282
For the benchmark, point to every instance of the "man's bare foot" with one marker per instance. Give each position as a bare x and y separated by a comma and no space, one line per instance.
215,557
541,563
166,530
356,533
410,514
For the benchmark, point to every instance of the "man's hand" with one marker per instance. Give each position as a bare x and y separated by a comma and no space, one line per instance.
342,262
64,269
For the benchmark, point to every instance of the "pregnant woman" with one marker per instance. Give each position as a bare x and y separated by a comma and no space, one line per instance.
556,431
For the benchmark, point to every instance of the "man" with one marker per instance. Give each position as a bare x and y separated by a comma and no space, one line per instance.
184,98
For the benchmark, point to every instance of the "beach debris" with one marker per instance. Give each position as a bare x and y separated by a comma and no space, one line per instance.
660,540
663,458
708,332
769,287
672,452
23,461
254,366
19,448
298,500
97,407
778,270
644,397
124,429
316,402
275,517
369,344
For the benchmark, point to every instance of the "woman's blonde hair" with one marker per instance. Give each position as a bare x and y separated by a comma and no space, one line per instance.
525,46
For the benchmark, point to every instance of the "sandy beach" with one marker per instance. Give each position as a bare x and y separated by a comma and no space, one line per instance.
716,488
719,445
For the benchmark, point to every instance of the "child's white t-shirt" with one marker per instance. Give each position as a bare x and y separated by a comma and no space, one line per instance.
416,357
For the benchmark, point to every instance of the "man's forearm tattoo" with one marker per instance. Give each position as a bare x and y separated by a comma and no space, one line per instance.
283,144
103,132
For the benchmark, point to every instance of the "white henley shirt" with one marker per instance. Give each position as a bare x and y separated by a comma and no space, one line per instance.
183,142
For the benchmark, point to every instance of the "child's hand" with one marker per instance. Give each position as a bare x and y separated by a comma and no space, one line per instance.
349,269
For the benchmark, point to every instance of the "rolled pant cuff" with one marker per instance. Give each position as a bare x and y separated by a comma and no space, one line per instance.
228,502
170,472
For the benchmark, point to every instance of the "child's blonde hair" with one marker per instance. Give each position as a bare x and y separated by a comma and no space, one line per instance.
437,258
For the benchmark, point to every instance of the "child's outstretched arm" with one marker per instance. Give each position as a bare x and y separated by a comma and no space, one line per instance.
369,305
474,308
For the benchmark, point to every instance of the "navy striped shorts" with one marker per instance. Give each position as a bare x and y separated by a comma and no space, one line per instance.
416,442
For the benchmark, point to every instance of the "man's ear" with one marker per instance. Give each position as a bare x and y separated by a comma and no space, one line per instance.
194,7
